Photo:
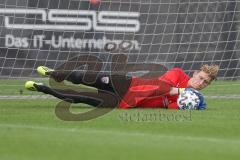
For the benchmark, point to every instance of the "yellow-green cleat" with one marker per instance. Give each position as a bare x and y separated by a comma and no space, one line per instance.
31,85
44,71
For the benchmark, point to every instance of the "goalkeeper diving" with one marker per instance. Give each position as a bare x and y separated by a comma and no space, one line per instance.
131,92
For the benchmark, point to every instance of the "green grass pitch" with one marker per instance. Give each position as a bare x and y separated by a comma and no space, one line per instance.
29,130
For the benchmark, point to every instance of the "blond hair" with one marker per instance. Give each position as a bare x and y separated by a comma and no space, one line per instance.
211,70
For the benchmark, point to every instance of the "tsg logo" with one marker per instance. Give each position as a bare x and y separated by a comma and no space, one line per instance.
84,20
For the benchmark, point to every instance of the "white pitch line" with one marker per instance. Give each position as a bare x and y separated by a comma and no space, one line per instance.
119,133
12,97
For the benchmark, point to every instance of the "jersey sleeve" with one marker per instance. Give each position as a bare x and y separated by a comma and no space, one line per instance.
173,105
173,76
177,78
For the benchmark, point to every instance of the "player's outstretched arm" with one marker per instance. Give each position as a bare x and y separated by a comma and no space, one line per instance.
176,91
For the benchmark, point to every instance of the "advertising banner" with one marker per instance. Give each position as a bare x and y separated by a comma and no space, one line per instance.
172,33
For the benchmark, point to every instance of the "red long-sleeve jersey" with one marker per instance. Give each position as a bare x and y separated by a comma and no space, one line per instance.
154,93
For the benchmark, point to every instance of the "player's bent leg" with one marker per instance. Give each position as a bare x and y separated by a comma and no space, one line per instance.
33,86
100,99
66,95
101,81
58,76
97,80
44,71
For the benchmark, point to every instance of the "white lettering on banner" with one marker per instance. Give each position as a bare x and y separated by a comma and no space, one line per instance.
85,20
39,41
11,41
